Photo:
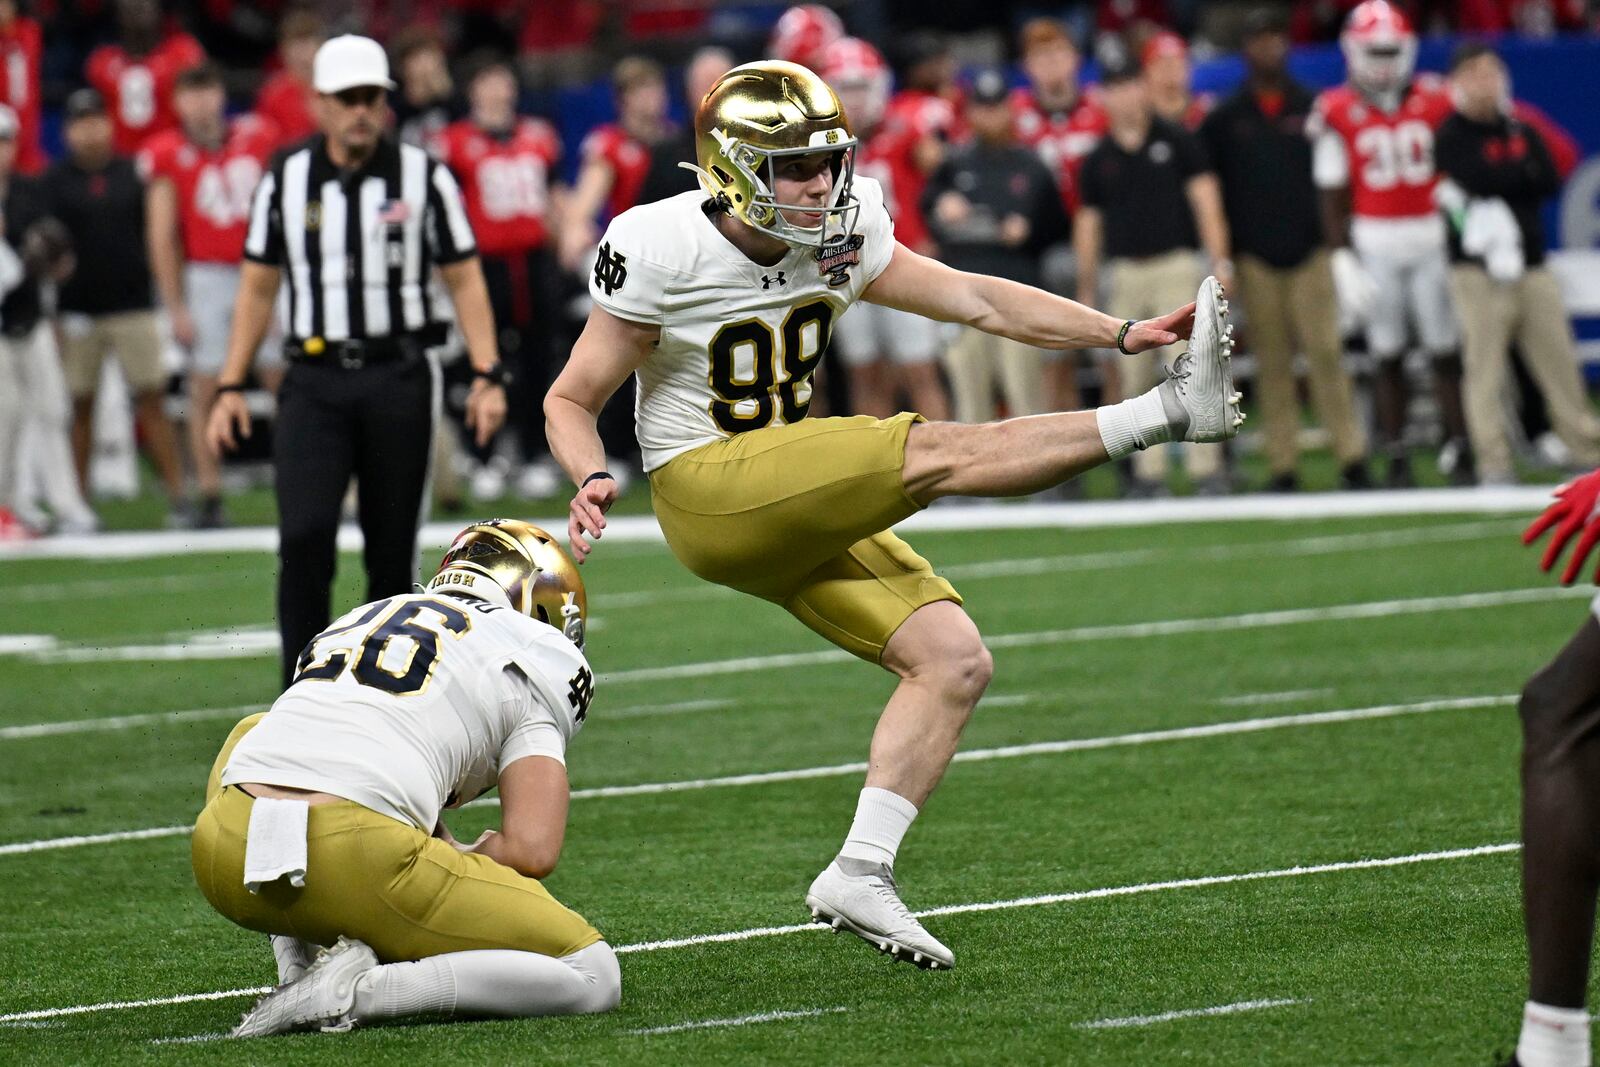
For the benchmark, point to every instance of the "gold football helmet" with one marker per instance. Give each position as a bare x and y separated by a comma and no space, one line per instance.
521,564
761,112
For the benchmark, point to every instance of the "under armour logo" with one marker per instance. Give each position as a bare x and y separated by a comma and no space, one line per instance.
610,270
580,692
768,282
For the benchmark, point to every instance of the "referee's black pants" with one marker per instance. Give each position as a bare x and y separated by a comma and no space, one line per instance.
374,422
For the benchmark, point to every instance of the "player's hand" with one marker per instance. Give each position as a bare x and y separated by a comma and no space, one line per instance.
182,326
1156,333
486,410
951,208
1574,507
228,424
1015,230
587,514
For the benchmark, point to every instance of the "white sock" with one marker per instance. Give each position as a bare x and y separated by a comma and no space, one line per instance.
1554,1037
882,819
293,956
492,982
1133,424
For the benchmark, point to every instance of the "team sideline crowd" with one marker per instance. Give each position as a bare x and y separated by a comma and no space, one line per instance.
1381,241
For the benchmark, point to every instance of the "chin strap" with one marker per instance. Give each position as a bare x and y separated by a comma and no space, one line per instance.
707,184
571,624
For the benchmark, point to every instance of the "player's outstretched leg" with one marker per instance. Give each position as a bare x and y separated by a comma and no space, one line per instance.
346,987
1560,712
944,669
1022,456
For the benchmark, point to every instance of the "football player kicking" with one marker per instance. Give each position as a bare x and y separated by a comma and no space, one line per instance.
721,302
1560,711
322,827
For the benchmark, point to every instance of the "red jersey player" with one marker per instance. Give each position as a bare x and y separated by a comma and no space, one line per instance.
616,157
1373,161
1053,117
285,97
136,76
802,35
201,178
504,162
921,118
883,350
21,41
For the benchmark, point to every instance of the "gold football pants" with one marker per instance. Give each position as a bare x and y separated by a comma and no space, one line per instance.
385,882
800,515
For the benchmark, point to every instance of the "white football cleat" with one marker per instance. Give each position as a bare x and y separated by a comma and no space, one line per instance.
862,898
1198,395
320,999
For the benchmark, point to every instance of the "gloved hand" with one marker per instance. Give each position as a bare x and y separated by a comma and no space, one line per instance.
1574,507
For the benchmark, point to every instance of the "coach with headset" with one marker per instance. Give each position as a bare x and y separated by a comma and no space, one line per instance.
356,223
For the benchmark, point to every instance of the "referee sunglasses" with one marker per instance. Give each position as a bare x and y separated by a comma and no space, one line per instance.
359,96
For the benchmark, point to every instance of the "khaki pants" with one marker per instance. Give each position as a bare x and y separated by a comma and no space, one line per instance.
1143,289
977,358
1530,311
1294,310
132,336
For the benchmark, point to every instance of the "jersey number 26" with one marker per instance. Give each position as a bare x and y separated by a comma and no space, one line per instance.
403,621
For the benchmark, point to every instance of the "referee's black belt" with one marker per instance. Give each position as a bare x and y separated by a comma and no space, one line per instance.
357,352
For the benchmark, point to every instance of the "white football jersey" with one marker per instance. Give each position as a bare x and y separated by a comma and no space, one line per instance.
418,702
739,341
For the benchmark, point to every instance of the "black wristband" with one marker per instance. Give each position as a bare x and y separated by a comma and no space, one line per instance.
596,476
495,375
1122,335
229,389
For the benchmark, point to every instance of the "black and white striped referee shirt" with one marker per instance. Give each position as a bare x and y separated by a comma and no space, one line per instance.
358,248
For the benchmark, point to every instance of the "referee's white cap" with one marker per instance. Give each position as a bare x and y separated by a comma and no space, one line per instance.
350,62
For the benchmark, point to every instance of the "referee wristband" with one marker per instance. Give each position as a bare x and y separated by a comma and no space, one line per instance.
596,476
1122,335
230,389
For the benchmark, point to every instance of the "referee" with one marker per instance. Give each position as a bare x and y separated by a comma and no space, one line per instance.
357,223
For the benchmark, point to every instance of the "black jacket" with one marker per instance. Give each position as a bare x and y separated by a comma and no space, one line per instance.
1504,158
1264,164
997,180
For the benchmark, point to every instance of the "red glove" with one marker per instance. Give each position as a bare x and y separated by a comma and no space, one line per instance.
1574,507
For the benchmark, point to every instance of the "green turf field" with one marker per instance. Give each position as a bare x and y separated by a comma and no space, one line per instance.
1136,643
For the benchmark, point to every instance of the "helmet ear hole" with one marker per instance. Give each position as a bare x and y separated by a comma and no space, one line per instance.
544,616
720,174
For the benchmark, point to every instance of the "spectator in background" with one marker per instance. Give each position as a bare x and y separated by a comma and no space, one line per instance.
922,118
616,157
993,207
1062,123
106,305
884,351
1257,139
665,177
426,103
34,410
1499,173
201,178
21,44
1149,200
505,163
286,97
803,33
136,75
1165,59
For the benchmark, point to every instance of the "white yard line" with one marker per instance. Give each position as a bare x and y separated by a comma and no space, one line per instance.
1285,696
986,516
1188,1013
1292,547
950,909
977,755
99,588
1161,628
125,722
650,711
742,1020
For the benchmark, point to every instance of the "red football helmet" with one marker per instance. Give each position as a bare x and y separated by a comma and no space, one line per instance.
801,34
1379,46
857,72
